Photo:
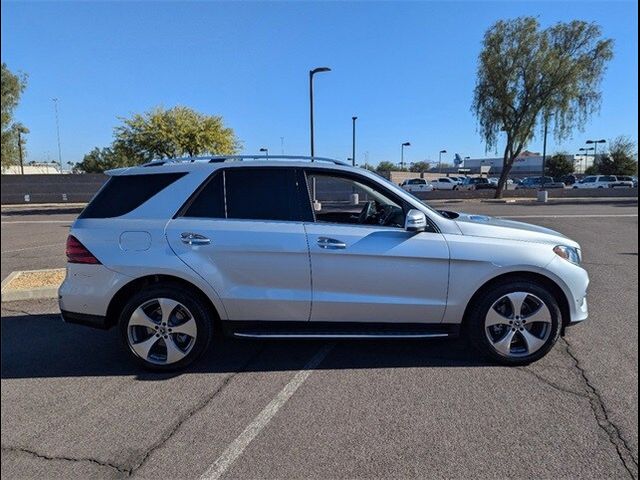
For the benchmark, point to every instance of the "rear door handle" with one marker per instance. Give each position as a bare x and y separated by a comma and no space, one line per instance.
331,243
194,239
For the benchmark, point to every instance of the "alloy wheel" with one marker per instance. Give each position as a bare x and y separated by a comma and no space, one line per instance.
161,331
518,324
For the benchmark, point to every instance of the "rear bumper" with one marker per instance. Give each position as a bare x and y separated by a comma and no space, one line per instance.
88,289
94,321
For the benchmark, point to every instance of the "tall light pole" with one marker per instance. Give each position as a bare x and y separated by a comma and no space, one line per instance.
595,148
586,155
20,151
405,144
55,107
353,140
265,151
311,74
282,145
440,160
544,149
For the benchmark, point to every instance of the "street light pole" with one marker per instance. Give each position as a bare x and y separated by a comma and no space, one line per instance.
544,150
440,160
266,152
55,106
20,152
405,144
595,148
311,74
353,141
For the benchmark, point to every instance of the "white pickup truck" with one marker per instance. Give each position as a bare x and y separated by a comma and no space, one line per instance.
416,185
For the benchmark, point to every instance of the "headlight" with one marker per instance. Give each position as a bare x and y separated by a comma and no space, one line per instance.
570,254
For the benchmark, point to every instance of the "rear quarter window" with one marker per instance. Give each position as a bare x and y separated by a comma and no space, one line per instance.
124,193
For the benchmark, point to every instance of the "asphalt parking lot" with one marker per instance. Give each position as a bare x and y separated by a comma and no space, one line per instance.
73,406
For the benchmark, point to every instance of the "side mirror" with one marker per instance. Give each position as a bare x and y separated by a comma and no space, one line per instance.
415,221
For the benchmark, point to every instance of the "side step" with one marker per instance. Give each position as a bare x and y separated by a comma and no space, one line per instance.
337,330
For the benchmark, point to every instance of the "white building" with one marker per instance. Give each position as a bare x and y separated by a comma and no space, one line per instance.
528,163
32,168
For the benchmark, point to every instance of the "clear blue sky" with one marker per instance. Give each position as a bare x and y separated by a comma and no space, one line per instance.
407,70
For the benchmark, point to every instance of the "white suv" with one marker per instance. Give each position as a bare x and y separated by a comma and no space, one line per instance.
290,248
414,185
596,181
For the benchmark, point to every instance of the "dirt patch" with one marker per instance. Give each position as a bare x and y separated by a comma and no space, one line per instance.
35,279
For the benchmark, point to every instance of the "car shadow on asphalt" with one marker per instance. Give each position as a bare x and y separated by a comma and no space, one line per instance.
42,346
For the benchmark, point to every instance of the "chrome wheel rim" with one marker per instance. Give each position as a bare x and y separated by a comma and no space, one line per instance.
161,331
518,324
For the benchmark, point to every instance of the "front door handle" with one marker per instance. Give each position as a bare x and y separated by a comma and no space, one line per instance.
331,243
194,239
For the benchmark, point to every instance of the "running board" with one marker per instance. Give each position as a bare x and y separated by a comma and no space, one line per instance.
337,330
339,335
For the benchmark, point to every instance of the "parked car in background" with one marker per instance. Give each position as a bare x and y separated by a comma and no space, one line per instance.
623,181
479,183
596,181
569,179
416,185
536,182
446,183
236,246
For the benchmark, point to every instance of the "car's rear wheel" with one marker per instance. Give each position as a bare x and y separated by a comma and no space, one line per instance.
516,322
165,327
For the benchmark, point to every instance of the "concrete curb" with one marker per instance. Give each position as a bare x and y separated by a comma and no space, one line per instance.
36,293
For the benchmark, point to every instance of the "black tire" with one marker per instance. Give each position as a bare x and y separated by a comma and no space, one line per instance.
197,309
475,321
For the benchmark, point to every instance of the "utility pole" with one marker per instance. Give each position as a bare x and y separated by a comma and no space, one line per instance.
55,106
282,145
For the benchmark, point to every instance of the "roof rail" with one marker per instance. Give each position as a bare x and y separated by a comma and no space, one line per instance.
239,158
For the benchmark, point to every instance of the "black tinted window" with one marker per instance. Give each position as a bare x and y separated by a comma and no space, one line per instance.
262,194
123,194
209,202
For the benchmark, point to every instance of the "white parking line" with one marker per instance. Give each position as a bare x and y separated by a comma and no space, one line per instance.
612,215
235,449
61,245
15,222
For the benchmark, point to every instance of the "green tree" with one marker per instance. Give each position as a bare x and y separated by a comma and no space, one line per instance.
12,87
419,167
591,170
527,74
100,159
387,167
621,159
176,132
559,165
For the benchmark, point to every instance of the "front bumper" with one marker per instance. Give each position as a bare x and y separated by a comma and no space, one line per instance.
574,281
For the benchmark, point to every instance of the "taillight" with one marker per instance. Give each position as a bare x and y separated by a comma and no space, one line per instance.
78,253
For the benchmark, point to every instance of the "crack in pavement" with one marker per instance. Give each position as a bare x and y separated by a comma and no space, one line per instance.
553,385
193,411
42,456
130,471
624,451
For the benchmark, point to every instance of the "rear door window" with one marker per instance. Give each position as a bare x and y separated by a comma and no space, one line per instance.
251,194
124,193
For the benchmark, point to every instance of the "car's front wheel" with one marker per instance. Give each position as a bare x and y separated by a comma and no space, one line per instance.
165,327
516,322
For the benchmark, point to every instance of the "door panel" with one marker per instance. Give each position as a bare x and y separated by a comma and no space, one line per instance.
260,269
377,274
